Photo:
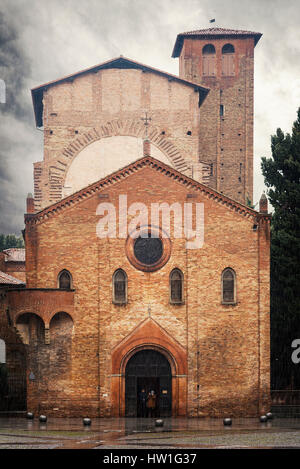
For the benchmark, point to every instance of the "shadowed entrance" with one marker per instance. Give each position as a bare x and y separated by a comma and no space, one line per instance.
149,370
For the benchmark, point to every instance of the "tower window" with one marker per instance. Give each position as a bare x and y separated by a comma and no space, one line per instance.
228,286
222,110
119,287
228,49
209,60
228,60
176,286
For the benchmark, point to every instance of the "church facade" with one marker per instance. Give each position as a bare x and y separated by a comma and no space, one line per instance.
146,268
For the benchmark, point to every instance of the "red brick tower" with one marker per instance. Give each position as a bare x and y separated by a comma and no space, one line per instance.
223,60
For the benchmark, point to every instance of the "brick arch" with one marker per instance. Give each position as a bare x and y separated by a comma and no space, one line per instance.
60,311
26,334
20,313
149,335
114,128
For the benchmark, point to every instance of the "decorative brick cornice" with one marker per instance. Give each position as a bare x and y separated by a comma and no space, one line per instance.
127,171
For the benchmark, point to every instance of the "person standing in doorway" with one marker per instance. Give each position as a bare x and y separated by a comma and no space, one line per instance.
151,403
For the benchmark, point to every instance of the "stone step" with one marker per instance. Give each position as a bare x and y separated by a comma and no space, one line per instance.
288,411
12,413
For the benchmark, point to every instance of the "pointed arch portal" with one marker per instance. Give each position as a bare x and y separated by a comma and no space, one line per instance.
149,357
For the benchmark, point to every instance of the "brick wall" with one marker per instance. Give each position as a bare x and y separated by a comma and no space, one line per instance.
110,103
13,391
226,141
227,346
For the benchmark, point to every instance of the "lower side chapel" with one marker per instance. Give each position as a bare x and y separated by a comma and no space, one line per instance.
144,266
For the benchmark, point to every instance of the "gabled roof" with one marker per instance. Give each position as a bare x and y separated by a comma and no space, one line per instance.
119,62
14,255
127,171
212,33
9,279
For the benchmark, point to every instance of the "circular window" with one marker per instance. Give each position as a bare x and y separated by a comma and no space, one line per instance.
147,250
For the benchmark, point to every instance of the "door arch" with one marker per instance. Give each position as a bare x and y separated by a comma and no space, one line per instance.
138,340
150,370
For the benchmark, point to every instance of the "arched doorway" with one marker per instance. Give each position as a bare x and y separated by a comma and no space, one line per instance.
149,370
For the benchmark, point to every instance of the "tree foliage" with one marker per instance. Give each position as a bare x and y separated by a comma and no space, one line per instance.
282,176
10,241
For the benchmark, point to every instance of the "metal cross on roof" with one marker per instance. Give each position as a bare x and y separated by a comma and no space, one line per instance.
146,122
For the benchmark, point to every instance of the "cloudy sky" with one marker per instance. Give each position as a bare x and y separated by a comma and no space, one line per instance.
46,39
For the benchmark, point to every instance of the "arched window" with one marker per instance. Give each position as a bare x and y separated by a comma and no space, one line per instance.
208,49
119,287
228,60
64,280
176,286
228,49
228,286
209,60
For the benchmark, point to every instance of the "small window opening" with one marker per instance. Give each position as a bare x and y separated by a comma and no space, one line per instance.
228,286
64,280
120,287
176,286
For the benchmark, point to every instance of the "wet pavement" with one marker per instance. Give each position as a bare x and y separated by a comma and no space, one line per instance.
20,433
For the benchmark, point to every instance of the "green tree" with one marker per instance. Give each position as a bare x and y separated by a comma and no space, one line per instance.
282,176
10,241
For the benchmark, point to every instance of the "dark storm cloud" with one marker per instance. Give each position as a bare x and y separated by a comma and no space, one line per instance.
14,115
14,68
44,40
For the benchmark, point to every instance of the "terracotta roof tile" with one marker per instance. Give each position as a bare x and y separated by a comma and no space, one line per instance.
9,280
212,32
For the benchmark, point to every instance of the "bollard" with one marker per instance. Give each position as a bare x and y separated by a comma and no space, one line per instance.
227,422
43,418
86,421
159,423
29,415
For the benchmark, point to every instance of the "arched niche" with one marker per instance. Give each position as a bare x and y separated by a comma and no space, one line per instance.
31,328
61,326
60,347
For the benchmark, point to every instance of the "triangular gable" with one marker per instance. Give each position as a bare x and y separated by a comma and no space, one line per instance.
119,62
127,171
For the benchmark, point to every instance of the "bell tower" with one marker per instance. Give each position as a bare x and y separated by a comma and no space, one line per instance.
223,60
